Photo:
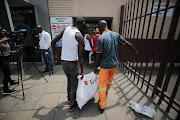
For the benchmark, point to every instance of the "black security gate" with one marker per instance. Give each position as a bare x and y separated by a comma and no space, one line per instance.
153,27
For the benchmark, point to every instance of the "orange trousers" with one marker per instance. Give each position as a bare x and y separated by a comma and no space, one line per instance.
104,84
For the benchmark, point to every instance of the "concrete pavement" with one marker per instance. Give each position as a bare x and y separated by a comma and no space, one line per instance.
47,100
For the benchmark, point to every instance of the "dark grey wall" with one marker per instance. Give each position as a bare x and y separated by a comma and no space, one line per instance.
4,21
41,13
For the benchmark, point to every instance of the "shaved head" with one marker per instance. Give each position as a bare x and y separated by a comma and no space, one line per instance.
102,25
39,29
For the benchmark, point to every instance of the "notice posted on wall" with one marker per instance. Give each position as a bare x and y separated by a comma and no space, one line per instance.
57,25
162,7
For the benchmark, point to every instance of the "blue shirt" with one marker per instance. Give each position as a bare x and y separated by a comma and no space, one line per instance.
107,45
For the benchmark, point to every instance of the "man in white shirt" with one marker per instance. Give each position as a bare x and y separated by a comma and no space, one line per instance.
45,47
71,55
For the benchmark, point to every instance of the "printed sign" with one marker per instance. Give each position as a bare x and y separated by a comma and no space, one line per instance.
162,6
57,25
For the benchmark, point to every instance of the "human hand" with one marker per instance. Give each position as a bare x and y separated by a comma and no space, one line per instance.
95,70
55,58
14,51
4,40
82,76
43,50
136,53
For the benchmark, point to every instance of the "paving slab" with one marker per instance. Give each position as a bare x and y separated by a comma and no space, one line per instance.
48,100
64,114
37,89
54,87
42,114
128,89
63,100
91,112
6,103
18,115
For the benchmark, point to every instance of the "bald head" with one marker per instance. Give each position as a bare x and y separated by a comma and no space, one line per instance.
38,29
102,25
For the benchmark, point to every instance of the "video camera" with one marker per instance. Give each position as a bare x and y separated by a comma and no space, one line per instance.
17,36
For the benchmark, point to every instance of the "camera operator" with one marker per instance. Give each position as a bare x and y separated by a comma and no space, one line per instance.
4,62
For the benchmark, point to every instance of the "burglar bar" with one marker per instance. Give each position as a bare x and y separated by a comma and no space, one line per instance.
130,24
151,13
127,15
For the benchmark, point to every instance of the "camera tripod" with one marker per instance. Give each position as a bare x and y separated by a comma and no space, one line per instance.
20,68
21,73
36,66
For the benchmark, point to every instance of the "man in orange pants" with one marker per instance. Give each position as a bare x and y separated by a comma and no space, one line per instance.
107,59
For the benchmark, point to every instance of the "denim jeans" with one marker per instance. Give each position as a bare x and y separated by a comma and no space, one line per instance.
71,71
48,60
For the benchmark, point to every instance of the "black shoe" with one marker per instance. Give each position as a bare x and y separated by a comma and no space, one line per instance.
13,83
51,73
101,110
45,71
8,92
73,107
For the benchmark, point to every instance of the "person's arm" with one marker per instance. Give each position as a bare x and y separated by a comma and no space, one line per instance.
48,39
97,62
88,37
79,38
127,44
3,39
57,38
98,54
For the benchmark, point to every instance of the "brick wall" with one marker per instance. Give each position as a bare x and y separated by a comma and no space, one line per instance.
60,8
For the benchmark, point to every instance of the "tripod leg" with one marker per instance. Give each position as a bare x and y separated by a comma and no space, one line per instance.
20,74
22,86
18,65
39,72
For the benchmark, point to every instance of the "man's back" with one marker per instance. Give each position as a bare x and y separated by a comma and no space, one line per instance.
107,44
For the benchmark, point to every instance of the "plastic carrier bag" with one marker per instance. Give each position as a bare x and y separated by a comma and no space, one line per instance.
145,110
91,57
87,88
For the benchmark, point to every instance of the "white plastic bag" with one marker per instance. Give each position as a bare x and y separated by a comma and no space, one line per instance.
90,57
145,110
87,88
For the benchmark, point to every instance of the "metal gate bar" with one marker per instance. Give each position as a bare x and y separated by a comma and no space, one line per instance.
132,28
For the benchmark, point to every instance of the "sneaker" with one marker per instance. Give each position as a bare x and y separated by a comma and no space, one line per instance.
13,83
51,73
8,92
73,107
101,110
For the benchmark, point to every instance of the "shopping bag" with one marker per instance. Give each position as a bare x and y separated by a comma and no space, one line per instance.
91,57
87,88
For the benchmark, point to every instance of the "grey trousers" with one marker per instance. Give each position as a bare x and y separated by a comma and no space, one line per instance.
71,71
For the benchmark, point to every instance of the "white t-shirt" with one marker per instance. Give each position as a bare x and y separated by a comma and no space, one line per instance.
45,40
69,45
87,43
